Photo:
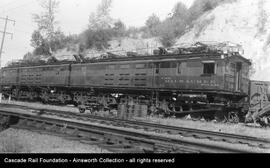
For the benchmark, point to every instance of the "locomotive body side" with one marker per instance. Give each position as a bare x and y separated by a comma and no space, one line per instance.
44,76
170,83
178,74
189,75
116,75
9,76
36,82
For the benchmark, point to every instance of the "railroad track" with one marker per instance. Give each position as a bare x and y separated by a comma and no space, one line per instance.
151,127
116,140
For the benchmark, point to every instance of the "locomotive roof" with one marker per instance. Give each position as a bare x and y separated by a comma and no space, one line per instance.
152,58
197,51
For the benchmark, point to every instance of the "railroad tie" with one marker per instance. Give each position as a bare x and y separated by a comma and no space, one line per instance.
92,142
41,125
123,150
50,128
75,132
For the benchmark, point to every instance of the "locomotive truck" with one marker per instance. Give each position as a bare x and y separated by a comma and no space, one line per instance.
210,81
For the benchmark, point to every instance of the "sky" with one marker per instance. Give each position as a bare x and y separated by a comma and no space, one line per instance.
73,18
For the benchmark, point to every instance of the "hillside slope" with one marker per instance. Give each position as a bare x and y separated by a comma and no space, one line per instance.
245,22
117,46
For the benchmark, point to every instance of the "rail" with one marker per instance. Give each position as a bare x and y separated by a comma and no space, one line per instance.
152,127
113,138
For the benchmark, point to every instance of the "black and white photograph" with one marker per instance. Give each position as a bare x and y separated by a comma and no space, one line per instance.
133,77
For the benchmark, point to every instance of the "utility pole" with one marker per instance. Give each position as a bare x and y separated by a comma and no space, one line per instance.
2,45
4,35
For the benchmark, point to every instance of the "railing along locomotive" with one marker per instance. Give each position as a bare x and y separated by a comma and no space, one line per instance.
210,81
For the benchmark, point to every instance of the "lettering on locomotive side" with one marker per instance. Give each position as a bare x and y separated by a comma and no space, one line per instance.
192,81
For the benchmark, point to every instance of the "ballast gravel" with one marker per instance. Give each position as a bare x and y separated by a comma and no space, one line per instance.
24,141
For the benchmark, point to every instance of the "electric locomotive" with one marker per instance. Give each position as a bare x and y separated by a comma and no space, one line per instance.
210,81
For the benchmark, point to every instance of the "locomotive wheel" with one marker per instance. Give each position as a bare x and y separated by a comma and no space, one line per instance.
81,110
44,101
220,116
233,117
75,104
196,116
264,122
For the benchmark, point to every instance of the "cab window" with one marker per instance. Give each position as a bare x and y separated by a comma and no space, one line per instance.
208,68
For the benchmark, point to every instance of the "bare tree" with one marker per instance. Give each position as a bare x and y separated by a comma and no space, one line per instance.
101,18
101,28
152,23
46,20
173,26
